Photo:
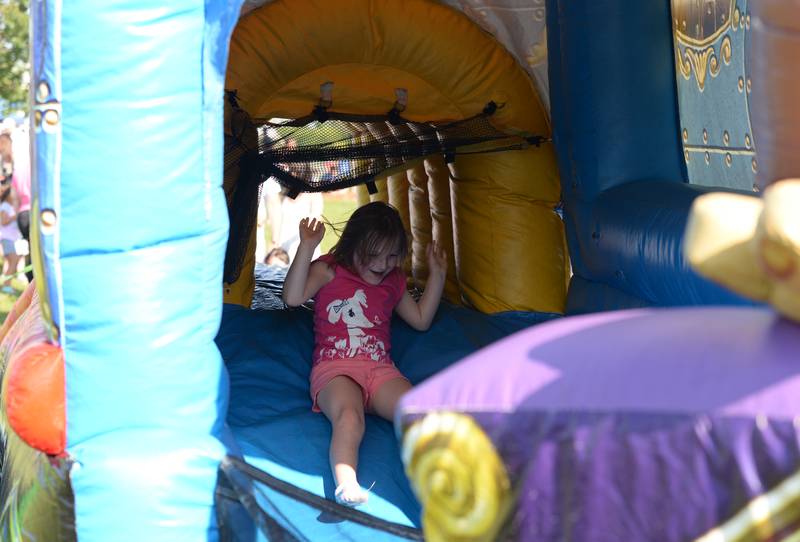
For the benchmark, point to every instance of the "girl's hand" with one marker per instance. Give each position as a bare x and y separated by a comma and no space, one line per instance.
437,258
311,231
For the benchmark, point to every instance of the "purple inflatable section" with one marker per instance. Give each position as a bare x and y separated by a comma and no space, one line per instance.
633,425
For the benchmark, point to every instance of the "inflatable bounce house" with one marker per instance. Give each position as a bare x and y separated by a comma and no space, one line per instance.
617,357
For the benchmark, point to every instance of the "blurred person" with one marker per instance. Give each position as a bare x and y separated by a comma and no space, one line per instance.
10,237
15,157
292,212
6,156
269,217
21,186
277,257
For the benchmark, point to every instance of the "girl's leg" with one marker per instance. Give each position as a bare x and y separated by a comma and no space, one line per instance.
384,401
12,260
341,400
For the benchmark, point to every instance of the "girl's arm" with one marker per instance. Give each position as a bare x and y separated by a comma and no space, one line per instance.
419,314
303,280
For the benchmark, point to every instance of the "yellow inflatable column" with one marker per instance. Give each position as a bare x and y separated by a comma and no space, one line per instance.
419,211
362,195
241,136
442,221
397,185
509,240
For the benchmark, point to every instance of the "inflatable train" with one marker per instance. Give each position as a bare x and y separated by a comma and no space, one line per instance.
618,354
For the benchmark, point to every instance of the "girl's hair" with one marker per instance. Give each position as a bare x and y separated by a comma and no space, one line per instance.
370,229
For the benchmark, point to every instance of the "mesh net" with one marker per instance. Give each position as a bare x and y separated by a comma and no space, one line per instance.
328,151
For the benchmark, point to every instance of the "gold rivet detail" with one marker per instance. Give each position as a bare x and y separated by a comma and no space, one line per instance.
705,135
726,138
685,134
747,21
749,85
48,220
51,117
708,158
728,159
747,140
741,84
37,119
686,156
42,91
754,165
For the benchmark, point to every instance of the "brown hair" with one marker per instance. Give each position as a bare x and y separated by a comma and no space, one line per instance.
369,230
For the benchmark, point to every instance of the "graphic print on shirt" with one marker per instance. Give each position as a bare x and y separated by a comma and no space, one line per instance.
358,343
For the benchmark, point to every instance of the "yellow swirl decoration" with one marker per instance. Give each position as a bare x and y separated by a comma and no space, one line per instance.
458,477
726,50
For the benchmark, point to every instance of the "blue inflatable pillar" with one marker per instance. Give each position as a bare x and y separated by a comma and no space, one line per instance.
131,226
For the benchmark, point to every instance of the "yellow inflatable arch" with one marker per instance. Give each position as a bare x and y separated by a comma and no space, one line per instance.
495,211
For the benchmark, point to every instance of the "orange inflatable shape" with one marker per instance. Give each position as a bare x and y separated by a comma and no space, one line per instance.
36,398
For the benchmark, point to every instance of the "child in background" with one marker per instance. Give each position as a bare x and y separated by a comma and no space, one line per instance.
356,287
277,257
9,237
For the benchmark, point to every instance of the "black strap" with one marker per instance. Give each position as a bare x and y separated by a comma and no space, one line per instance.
320,113
230,465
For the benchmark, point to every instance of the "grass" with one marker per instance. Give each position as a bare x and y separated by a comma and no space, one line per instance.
336,211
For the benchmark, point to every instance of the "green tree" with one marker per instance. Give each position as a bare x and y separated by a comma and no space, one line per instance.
14,66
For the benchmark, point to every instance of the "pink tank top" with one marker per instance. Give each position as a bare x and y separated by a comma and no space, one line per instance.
352,318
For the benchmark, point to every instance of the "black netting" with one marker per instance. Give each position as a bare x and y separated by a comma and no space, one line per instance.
329,151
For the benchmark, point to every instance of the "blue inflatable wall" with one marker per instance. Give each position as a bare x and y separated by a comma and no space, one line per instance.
614,108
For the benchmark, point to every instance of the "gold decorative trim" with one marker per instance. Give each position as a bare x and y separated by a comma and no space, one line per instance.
763,517
703,61
718,150
708,40
458,477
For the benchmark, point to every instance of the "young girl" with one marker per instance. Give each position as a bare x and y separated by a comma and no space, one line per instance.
355,288
9,236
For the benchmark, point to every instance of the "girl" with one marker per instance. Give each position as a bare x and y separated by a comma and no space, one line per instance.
355,289
9,236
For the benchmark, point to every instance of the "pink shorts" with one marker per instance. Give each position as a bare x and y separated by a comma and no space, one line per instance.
366,373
